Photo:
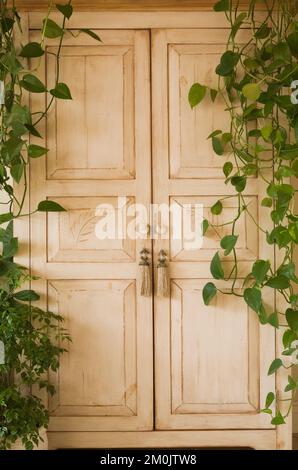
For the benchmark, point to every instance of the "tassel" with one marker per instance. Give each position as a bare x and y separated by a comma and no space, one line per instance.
162,275
145,274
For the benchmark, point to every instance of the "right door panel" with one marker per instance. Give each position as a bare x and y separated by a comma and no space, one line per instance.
211,362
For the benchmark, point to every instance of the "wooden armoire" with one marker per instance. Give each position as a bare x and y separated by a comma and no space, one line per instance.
143,371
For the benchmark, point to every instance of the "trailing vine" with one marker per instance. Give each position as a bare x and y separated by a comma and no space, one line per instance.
31,339
255,76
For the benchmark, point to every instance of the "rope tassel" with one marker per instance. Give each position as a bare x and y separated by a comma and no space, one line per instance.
146,288
162,275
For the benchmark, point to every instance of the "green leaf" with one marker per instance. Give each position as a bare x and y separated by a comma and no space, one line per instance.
292,41
12,148
91,33
216,209
226,137
10,250
292,384
237,23
5,217
35,151
10,243
289,153
239,182
266,131
32,49
227,168
262,316
260,269
196,94
250,169
11,63
263,31
216,267
288,337
266,410
213,94
32,130
5,267
268,108
278,282
49,206
266,202
17,171
6,24
279,235
228,243
26,295
61,91
275,365
222,5
253,298
214,133
251,91
17,118
293,231
228,61
278,419
209,291
51,29
33,84
205,226
289,271
217,146
66,10
292,319
273,320
269,399
281,51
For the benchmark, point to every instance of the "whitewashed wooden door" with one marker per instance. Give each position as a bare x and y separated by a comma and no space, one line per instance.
99,149
210,362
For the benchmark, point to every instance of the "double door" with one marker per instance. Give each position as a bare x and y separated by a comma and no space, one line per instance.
141,363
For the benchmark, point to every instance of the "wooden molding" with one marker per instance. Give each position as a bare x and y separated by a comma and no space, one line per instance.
133,5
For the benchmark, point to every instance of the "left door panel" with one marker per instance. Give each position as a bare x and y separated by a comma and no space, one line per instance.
99,151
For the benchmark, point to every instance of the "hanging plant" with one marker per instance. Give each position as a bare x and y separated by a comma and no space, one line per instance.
31,339
254,80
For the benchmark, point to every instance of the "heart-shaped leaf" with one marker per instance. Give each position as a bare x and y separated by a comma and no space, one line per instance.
51,29
61,91
260,269
91,33
35,151
32,84
32,49
216,267
50,206
228,242
66,10
209,291
216,209
251,91
275,365
253,298
26,295
196,94
292,319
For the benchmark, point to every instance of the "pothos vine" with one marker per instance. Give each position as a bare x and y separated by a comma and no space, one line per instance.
31,339
255,76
